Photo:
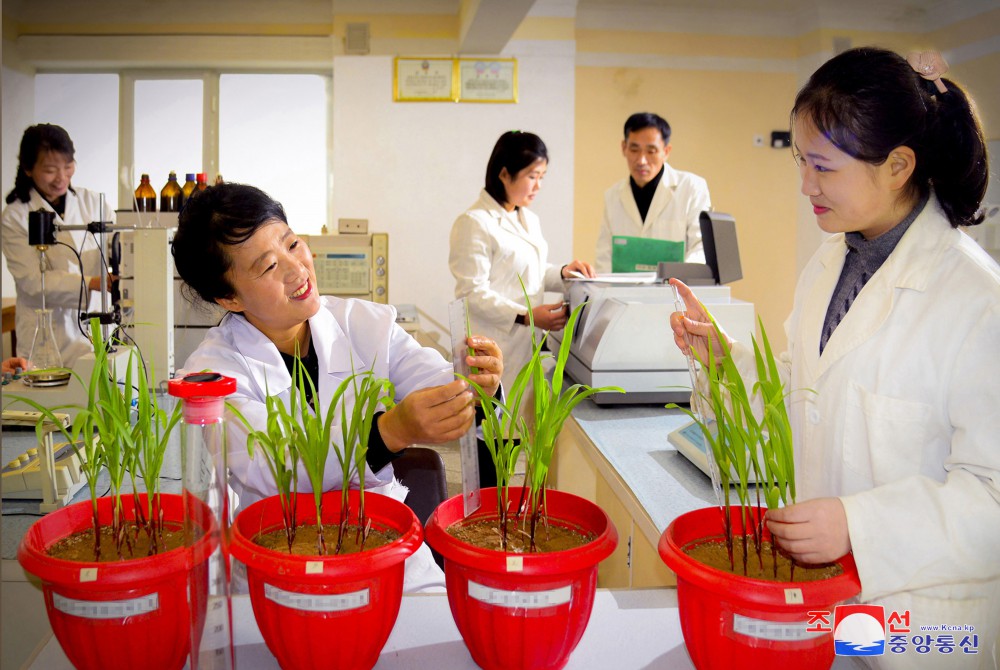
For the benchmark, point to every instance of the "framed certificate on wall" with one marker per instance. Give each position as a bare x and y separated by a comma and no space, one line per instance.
424,80
487,80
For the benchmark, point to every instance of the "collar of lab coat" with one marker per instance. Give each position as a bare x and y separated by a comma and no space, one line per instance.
906,269
37,201
328,340
661,198
519,222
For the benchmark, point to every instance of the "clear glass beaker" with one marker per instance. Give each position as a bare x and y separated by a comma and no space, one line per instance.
44,348
207,514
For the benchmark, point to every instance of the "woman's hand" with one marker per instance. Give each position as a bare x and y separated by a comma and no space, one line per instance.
12,364
578,267
550,317
814,531
487,360
694,327
429,416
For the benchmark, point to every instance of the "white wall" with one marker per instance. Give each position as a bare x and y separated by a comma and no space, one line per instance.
18,114
412,168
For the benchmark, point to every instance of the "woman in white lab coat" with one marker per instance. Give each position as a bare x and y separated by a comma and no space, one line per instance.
234,247
497,240
895,326
45,170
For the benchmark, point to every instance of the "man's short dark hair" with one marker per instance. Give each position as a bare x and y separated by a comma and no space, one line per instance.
642,120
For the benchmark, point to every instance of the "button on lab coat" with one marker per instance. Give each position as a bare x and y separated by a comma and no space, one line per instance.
673,214
344,333
63,272
904,426
490,248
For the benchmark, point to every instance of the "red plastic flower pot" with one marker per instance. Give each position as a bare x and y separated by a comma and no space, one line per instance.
121,614
735,621
326,611
522,610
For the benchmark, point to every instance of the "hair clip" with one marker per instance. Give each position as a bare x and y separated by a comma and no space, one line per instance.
930,65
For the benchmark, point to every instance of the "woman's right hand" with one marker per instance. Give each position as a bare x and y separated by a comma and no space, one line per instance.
550,317
429,416
694,327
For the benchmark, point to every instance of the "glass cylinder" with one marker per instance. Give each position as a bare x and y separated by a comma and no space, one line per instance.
208,510
44,349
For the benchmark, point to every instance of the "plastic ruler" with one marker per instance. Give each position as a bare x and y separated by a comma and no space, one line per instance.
458,324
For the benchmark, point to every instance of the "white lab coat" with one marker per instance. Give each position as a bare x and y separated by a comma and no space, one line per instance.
904,426
344,333
673,214
490,248
63,272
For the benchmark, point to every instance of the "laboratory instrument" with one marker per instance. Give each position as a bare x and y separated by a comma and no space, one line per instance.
623,335
352,264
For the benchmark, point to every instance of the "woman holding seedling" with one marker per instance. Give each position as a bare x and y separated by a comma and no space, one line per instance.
892,365
498,244
234,247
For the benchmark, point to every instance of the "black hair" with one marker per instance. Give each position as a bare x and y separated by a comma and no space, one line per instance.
642,120
868,101
515,151
36,139
220,216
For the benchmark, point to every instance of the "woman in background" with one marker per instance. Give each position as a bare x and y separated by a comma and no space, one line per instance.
46,165
498,240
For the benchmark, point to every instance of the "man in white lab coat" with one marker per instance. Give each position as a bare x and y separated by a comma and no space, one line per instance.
656,201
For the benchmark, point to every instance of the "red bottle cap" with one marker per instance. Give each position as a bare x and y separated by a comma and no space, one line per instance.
203,394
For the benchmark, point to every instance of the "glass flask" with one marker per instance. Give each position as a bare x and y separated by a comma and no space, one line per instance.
207,510
44,348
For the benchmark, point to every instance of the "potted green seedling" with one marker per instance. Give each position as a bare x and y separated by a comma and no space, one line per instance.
318,602
115,569
748,605
533,585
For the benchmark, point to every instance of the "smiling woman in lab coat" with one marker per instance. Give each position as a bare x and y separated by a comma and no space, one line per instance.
46,165
498,240
895,326
234,247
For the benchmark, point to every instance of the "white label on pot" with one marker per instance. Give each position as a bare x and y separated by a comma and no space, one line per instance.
793,597
515,563
317,602
106,609
314,567
782,631
88,575
531,600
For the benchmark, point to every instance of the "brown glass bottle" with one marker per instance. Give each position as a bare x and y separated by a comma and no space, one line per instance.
218,179
171,196
145,196
189,185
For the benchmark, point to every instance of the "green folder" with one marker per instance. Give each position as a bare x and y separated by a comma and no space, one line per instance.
641,254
